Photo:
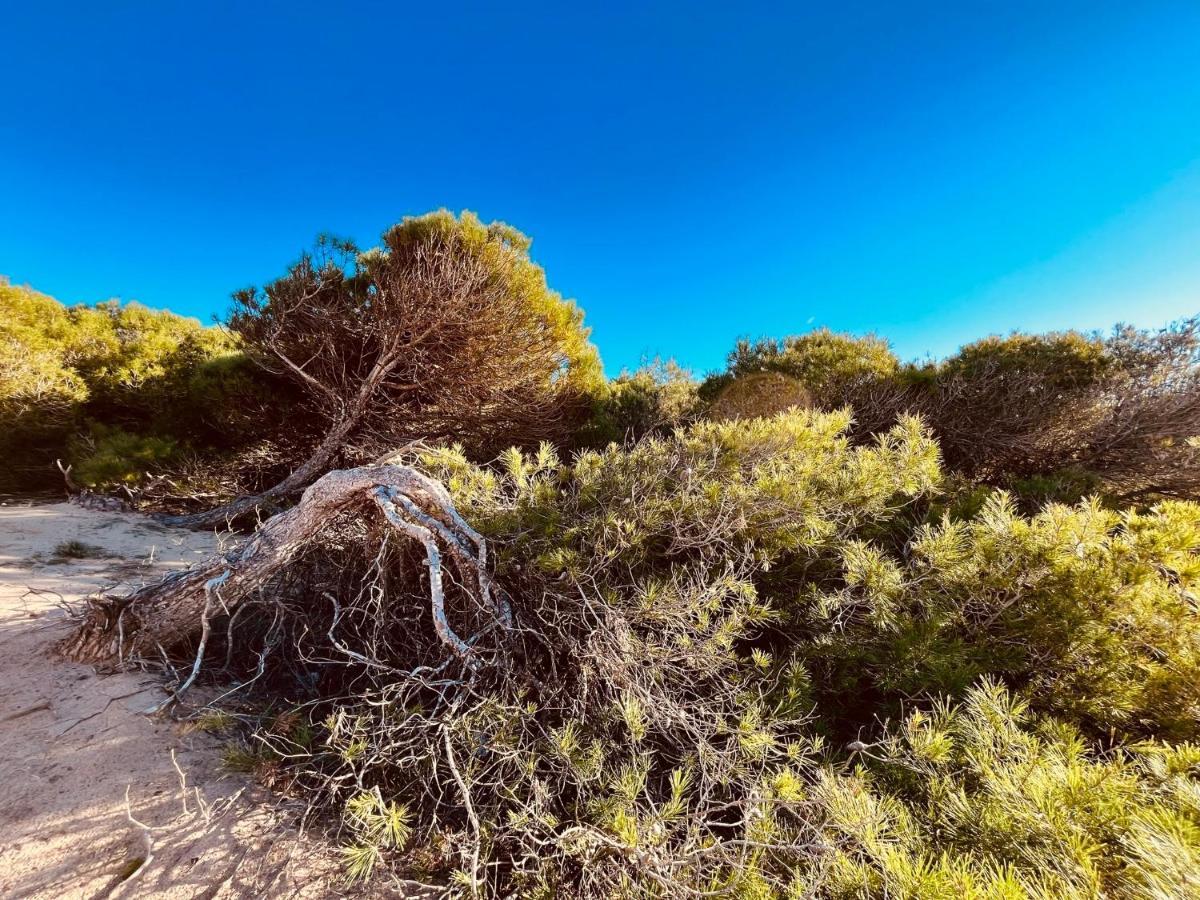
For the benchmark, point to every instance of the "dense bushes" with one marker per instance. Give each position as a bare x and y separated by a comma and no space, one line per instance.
1080,606
930,631
826,363
1122,410
1053,416
123,382
751,658
981,799
655,399
447,331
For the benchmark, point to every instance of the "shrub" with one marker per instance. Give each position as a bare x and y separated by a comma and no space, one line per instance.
626,726
1061,361
150,374
1089,610
653,400
109,457
758,394
741,660
825,363
980,799
39,392
1049,416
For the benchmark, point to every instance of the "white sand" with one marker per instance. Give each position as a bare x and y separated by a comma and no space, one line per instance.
73,742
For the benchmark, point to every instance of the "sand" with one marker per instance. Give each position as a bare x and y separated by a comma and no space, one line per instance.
74,744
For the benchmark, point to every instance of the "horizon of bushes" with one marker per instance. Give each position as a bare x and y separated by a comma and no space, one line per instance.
123,393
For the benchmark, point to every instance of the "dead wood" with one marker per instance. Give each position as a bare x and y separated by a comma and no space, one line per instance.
179,609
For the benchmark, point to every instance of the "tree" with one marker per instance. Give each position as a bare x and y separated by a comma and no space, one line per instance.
447,331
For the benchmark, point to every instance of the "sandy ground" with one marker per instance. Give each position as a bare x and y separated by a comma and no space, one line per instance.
74,744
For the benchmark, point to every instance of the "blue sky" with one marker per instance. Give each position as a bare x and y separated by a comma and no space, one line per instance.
690,173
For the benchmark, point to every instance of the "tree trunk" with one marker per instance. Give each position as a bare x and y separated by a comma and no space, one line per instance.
177,609
317,463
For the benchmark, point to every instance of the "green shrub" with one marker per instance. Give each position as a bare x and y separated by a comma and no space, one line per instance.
979,799
1062,360
39,392
109,457
826,363
752,658
653,400
1088,610
162,381
758,394
1049,416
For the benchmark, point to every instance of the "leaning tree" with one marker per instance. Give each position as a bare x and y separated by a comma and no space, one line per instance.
446,331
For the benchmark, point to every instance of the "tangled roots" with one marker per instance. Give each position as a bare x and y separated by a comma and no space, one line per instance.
181,608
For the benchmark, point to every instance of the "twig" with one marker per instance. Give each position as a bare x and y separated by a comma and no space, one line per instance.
466,795
147,836
27,711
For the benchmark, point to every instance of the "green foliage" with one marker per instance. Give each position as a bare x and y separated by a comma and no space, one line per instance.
653,400
767,486
1086,613
1089,610
1062,360
755,656
146,380
1051,416
825,362
129,355
111,456
504,250
376,825
979,799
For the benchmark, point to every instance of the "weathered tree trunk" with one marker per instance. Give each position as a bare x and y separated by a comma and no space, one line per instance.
317,463
178,608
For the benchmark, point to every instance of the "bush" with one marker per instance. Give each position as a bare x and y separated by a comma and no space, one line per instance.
154,376
825,363
1088,610
980,799
448,330
1050,416
1061,361
651,401
109,457
756,395
39,392
625,729
749,658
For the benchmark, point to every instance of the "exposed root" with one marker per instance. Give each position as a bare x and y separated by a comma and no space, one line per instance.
180,608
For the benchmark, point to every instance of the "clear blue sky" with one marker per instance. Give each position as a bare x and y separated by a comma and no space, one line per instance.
689,172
